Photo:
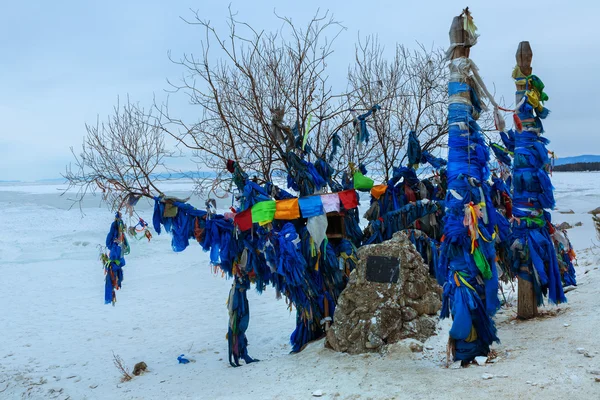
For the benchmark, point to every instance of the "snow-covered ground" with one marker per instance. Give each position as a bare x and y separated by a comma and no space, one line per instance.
58,338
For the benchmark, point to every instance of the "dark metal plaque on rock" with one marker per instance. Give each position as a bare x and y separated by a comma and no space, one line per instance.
383,269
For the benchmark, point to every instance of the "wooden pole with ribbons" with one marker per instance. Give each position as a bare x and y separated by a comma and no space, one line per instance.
527,303
466,267
539,271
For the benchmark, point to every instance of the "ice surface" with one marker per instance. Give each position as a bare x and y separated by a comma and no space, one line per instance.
58,337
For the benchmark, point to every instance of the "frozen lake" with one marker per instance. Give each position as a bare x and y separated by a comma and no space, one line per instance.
59,337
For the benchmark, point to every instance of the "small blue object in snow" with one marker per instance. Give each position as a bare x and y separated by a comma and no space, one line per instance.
182,360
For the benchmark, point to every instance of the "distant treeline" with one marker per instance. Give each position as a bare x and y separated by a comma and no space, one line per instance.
580,166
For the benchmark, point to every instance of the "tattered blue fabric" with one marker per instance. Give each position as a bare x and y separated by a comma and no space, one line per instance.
537,248
457,270
405,216
336,143
408,175
239,319
277,192
414,149
508,139
181,226
569,276
533,192
375,228
217,240
303,177
435,162
116,259
360,124
351,223
428,248
501,154
326,172
532,185
253,193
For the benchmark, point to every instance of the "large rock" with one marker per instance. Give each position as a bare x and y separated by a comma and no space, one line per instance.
563,226
595,211
371,314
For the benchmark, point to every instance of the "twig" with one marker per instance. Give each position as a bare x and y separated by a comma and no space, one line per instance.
125,376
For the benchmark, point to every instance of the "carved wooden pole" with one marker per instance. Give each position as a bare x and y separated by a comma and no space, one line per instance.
527,303
467,261
533,196
524,56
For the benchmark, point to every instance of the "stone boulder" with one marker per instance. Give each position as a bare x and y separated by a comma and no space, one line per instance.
373,312
563,226
595,211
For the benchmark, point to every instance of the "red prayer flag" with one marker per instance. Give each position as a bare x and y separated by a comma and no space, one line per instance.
244,220
348,199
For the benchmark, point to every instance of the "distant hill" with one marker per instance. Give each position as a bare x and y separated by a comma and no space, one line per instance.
582,166
586,158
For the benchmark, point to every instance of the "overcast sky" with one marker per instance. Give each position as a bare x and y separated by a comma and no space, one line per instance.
64,62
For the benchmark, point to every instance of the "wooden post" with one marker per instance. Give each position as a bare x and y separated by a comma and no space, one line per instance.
527,303
524,56
457,35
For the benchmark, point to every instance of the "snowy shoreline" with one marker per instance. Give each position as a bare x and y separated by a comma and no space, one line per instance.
59,337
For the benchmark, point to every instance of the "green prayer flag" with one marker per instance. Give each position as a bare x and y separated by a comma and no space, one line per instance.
263,211
361,182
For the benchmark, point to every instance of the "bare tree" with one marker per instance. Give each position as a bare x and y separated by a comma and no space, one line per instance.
257,92
411,88
121,157
260,96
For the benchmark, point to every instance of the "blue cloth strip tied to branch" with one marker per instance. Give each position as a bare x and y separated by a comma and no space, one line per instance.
118,247
239,319
360,124
435,162
413,153
303,177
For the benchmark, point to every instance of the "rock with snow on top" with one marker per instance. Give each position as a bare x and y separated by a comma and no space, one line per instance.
580,350
317,393
487,376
